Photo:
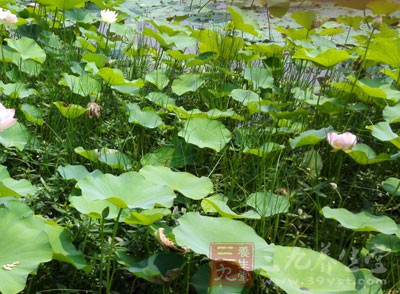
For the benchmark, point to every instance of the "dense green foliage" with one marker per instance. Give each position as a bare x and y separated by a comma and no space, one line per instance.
142,141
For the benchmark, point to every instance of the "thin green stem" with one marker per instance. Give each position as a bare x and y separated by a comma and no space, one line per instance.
111,253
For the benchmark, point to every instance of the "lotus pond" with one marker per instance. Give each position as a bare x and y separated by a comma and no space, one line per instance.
138,139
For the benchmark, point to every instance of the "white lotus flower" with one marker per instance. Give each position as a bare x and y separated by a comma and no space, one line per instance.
108,16
7,16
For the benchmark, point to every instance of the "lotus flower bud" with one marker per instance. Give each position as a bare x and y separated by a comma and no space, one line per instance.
344,141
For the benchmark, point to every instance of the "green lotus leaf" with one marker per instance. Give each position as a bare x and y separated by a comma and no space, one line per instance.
383,242
63,249
75,172
112,157
15,188
186,83
92,155
301,270
115,77
160,99
362,221
28,49
305,18
392,186
382,131
146,118
63,4
367,283
129,190
378,88
326,57
177,156
32,114
15,136
198,232
385,50
201,282
99,59
268,204
216,204
160,268
394,74
245,96
95,208
84,85
363,154
146,217
243,21
392,113
204,132
310,137
16,90
28,66
359,4
261,77
268,50
115,159
71,111
383,7
264,150
185,183
24,244
277,8
158,78
352,21
211,114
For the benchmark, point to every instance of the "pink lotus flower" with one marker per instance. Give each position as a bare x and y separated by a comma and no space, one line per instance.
6,117
343,141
